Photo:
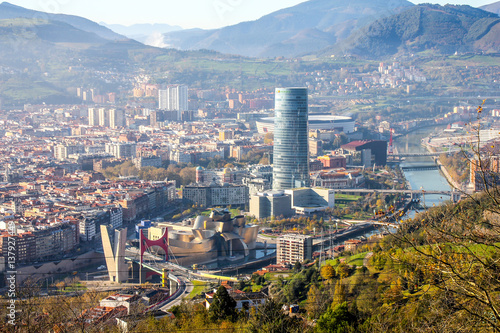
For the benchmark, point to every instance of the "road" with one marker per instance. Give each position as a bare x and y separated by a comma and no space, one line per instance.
185,289
269,240
185,286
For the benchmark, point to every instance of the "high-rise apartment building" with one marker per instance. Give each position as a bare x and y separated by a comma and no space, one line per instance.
291,154
216,195
93,117
116,118
103,117
174,98
121,150
62,151
24,250
292,248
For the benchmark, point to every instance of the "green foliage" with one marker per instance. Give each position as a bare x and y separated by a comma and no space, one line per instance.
340,294
343,270
295,290
481,27
337,319
378,261
125,169
270,317
441,28
317,301
297,267
152,173
223,306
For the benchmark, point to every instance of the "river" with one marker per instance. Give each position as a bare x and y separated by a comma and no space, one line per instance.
427,180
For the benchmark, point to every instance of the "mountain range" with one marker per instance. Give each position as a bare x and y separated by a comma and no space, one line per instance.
493,8
443,29
149,34
307,27
27,34
368,28
42,54
10,11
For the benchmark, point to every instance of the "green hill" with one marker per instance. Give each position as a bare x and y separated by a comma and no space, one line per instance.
443,29
10,11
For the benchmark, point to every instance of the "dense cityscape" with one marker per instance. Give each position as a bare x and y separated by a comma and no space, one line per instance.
349,187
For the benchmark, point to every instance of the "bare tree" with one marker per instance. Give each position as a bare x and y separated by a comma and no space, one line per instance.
456,247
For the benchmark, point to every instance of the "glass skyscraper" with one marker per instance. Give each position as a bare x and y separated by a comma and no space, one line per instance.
291,154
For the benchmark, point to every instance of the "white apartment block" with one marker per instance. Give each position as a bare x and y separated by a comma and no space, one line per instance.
116,217
213,196
116,118
61,151
87,229
292,248
93,117
121,150
103,117
174,98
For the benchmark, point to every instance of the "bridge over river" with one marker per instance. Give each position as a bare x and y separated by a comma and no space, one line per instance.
401,155
415,194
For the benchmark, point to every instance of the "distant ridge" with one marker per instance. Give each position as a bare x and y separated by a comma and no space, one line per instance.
443,29
493,8
144,32
10,11
306,27
47,53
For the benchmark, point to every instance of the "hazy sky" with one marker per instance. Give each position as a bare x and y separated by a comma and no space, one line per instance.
186,13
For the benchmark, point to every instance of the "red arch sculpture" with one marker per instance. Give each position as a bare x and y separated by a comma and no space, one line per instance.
161,242
150,274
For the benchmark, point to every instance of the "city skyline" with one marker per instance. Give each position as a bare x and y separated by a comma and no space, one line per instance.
187,14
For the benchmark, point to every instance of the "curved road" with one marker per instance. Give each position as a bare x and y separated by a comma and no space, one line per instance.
184,290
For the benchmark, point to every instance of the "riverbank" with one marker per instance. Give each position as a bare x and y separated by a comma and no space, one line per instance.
449,178
454,184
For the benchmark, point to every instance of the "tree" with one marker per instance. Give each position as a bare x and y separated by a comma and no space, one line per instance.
328,272
337,319
264,161
297,267
339,296
188,175
223,306
456,248
268,138
317,301
343,270
270,317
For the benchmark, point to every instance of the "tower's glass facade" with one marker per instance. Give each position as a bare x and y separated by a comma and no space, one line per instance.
291,155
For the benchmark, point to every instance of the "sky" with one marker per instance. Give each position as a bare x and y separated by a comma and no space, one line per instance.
206,14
